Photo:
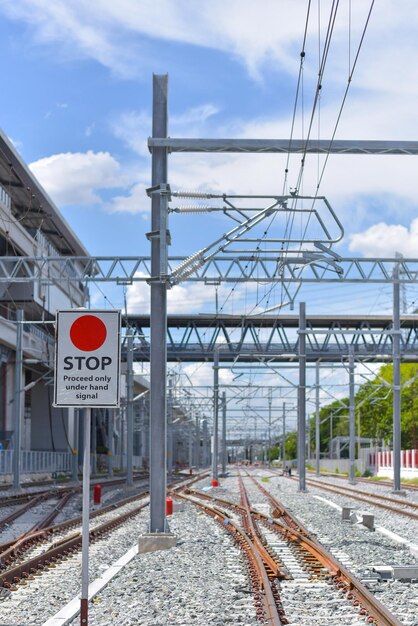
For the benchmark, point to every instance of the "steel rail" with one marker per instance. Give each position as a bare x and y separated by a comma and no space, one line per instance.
263,595
341,576
14,549
366,499
349,490
61,549
253,533
22,510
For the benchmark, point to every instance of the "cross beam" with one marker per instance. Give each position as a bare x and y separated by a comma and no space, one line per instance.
126,270
285,146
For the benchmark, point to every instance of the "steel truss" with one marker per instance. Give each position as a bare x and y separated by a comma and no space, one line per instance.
126,270
193,338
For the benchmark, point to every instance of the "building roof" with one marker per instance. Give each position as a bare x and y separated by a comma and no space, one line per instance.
31,205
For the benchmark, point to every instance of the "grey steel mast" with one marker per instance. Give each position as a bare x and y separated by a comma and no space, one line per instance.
158,323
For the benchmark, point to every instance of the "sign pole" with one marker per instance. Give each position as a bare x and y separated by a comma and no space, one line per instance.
84,620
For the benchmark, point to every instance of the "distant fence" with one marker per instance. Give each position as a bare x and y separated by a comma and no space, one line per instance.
409,463
36,462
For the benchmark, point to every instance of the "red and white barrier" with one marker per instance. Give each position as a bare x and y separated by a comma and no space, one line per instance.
409,463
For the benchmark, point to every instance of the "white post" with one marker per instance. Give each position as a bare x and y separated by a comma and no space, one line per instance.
85,521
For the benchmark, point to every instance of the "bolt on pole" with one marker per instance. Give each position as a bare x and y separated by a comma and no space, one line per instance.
158,321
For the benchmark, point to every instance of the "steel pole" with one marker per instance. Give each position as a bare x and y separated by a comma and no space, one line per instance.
190,445
352,438
170,429
317,424
158,321
215,413
205,443
17,408
284,437
302,399
129,408
197,442
85,521
224,455
269,431
396,351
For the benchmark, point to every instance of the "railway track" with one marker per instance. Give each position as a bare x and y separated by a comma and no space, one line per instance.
289,556
35,551
384,502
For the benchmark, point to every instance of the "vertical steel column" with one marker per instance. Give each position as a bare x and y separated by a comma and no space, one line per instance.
396,356
215,413
302,399
352,438
224,454
197,443
284,437
110,442
158,321
129,407
170,430
269,430
190,445
17,412
205,434
317,424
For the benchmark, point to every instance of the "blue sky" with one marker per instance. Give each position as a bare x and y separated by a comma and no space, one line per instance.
78,82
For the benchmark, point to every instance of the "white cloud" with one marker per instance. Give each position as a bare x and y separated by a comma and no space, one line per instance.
75,178
136,201
259,34
384,240
180,299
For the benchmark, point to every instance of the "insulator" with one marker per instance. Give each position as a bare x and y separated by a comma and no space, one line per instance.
192,209
191,194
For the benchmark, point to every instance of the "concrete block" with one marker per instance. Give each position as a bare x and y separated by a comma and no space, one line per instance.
152,542
385,571
178,507
346,513
405,572
368,520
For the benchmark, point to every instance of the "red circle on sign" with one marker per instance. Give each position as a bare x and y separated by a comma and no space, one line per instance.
88,333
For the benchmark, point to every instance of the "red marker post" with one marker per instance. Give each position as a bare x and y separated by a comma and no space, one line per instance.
87,373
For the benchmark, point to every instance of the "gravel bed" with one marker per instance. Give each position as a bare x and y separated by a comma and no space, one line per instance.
27,605
201,581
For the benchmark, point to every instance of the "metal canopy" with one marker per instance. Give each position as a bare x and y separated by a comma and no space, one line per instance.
285,146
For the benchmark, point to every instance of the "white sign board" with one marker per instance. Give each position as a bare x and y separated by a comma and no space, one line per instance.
87,358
